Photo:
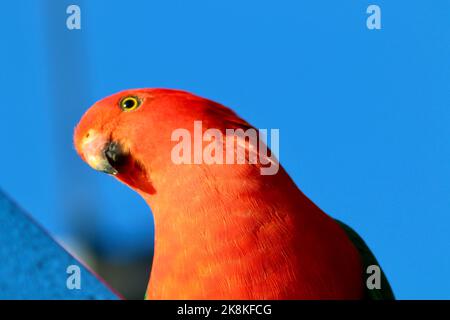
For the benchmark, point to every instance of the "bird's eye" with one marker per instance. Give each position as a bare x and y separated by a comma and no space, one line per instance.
129,103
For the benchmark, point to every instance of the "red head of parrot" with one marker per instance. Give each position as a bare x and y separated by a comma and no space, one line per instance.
223,230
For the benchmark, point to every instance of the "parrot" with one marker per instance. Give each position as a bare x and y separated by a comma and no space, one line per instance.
221,231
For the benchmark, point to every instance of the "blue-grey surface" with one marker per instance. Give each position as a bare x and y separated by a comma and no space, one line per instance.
33,265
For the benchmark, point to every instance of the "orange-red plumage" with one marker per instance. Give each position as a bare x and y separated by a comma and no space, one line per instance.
222,231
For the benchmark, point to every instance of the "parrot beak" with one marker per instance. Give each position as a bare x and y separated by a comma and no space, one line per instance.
111,157
101,153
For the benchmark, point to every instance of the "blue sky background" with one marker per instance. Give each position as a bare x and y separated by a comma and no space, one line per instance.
363,115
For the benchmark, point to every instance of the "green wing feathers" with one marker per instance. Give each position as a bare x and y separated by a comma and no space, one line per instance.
385,292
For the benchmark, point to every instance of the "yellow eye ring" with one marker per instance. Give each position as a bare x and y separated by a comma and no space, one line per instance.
129,103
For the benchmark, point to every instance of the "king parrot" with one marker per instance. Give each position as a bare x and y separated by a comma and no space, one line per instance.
222,231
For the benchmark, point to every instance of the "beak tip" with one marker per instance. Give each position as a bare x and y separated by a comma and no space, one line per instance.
108,169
